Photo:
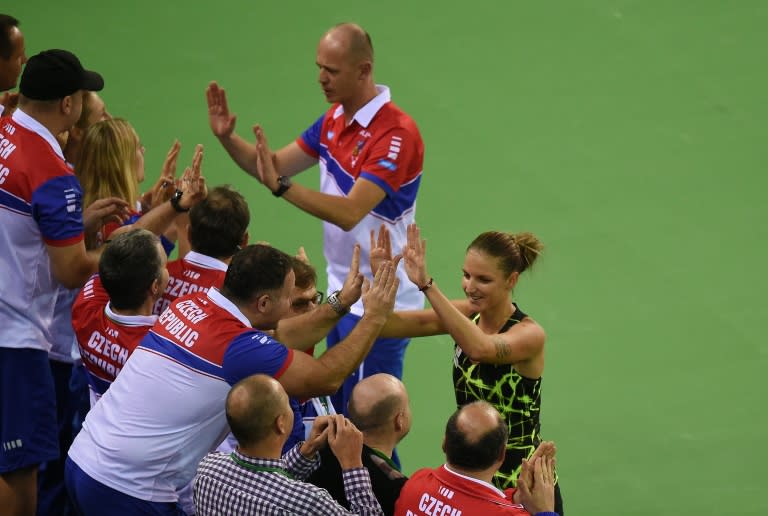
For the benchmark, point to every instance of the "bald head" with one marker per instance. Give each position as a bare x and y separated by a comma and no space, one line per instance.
475,437
352,39
376,401
253,405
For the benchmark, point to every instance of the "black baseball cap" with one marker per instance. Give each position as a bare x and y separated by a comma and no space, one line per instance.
54,74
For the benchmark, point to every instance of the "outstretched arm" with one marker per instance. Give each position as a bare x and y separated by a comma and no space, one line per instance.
289,160
305,330
343,211
521,342
307,377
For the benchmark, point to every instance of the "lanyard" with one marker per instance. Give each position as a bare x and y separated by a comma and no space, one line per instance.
259,469
386,459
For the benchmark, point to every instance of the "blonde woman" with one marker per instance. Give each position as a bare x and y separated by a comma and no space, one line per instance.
111,164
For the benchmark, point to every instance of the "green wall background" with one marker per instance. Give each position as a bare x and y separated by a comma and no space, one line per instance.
628,135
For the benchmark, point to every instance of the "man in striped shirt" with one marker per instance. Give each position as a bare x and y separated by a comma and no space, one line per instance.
256,479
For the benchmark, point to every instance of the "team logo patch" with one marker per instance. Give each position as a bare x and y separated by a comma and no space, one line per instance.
330,135
388,165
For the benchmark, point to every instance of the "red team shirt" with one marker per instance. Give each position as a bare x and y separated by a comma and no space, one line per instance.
381,144
194,273
105,339
40,203
442,492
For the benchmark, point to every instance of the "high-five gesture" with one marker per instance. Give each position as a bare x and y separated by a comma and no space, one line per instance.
381,248
192,183
353,284
415,257
162,190
221,120
379,297
265,166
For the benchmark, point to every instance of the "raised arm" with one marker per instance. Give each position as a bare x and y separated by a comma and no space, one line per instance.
305,330
343,211
193,190
521,342
307,377
289,160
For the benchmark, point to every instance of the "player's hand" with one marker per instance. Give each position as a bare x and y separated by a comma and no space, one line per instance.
103,211
318,437
539,497
162,190
266,172
415,257
346,442
221,120
379,296
353,283
544,449
192,183
381,248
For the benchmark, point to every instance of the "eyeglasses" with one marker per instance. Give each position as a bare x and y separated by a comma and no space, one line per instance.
301,304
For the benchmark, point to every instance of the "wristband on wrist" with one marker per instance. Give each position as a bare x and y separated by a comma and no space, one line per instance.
175,200
427,285
335,303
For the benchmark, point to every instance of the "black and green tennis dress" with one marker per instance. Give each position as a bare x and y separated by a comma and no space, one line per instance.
518,400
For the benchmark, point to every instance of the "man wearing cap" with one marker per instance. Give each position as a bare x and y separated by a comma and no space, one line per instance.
12,56
41,245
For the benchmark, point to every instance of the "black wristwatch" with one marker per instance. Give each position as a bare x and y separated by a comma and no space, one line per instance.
175,202
335,303
283,184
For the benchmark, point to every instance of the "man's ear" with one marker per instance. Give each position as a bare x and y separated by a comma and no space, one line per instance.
65,105
366,68
244,241
263,303
281,424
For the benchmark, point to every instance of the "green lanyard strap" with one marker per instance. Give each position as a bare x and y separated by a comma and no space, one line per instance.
259,469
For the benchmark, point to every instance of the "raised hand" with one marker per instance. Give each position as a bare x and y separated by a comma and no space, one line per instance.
265,166
221,120
353,283
381,248
415,257
103,211
379,298
162,190
544,449
192,183
540,496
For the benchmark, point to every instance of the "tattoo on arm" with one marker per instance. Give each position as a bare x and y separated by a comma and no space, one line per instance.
502,350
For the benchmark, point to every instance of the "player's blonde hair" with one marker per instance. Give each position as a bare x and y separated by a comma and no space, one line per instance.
107,165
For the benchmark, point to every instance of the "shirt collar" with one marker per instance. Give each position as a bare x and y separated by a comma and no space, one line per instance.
475,480
268,463
29,123
205,261
130,320
366,113
215,296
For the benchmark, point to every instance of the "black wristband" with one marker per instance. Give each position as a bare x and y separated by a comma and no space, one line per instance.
175,202
429,284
